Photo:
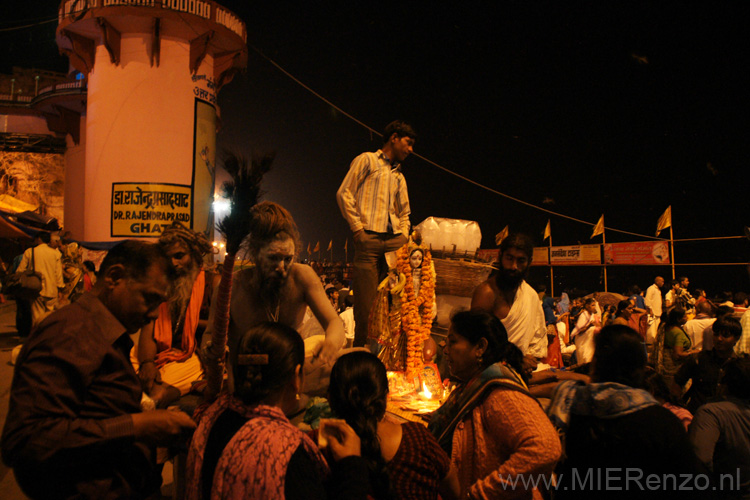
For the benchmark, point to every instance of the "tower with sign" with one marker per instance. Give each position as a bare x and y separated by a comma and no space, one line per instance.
147,150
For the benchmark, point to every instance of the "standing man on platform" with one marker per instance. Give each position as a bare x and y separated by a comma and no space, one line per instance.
375,203
653,304
47,261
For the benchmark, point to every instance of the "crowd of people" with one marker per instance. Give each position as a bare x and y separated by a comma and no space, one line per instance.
551,397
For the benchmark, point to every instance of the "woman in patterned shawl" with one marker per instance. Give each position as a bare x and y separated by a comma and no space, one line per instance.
245,447
493,429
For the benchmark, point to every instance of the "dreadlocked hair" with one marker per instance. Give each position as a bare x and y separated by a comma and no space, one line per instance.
269,222
285,350
357,393
196,242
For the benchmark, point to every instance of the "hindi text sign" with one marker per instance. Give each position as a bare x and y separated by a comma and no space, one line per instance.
143,210
576,255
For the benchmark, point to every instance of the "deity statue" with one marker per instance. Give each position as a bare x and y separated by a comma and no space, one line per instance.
401,318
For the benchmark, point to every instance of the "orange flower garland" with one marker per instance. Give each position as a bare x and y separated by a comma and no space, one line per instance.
416,312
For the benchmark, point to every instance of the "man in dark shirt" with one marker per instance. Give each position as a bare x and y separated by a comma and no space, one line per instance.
705,367
75,426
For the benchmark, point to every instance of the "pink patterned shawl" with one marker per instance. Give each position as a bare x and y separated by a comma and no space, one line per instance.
254,462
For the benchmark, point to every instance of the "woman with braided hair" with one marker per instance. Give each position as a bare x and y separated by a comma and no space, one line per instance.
404,460
245,447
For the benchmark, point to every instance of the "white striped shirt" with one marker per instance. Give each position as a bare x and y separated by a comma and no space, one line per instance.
374,193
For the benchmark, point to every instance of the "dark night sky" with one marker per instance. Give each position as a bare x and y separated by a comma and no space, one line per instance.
617,109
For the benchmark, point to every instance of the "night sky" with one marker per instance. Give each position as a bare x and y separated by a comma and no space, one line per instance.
582,108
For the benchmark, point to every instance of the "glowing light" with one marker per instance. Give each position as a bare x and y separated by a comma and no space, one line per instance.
426,391
220,206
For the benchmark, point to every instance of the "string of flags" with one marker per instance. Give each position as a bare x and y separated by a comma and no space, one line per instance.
664,222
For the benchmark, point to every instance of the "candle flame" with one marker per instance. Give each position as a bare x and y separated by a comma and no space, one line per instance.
426,391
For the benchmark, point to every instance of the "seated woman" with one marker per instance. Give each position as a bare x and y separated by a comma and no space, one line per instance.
612,424
625,314
495,432
672,346
405,460
554,351
245,447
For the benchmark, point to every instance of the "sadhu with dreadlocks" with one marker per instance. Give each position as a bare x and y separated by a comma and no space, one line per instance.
167,359
279,290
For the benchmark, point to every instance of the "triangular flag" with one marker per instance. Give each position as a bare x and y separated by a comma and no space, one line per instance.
308,249
317,247
599,228
499,237
547,230
330,245
665,220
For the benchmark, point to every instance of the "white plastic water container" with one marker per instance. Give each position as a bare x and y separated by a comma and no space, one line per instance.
473,237
460,239
430,232
452,235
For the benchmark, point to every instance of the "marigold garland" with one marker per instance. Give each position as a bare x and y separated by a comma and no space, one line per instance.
416,312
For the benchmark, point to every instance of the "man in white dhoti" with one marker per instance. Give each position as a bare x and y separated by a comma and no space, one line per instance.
513,301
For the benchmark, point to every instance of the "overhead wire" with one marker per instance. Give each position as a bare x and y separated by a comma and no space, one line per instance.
433,163
14,28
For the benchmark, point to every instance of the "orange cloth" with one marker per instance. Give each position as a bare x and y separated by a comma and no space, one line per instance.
554,352
507,434
163,327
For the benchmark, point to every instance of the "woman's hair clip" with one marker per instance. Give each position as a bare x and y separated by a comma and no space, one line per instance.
252,359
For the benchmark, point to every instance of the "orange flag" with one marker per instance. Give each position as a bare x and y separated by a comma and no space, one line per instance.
599,228
665,220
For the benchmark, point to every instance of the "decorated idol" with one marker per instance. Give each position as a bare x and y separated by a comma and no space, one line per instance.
402,316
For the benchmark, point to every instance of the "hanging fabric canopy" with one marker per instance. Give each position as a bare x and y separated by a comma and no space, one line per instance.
8,230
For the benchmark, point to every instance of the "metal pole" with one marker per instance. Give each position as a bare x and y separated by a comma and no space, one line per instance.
671,247
551,270
604,242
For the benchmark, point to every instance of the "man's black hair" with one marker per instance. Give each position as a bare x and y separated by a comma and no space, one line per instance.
401,129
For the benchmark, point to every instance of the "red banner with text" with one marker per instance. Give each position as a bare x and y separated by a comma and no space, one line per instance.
637,253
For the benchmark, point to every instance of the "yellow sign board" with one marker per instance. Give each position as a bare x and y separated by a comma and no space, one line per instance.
143,210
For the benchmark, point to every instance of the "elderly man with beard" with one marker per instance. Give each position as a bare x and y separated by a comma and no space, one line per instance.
513,301
278,289
167,358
